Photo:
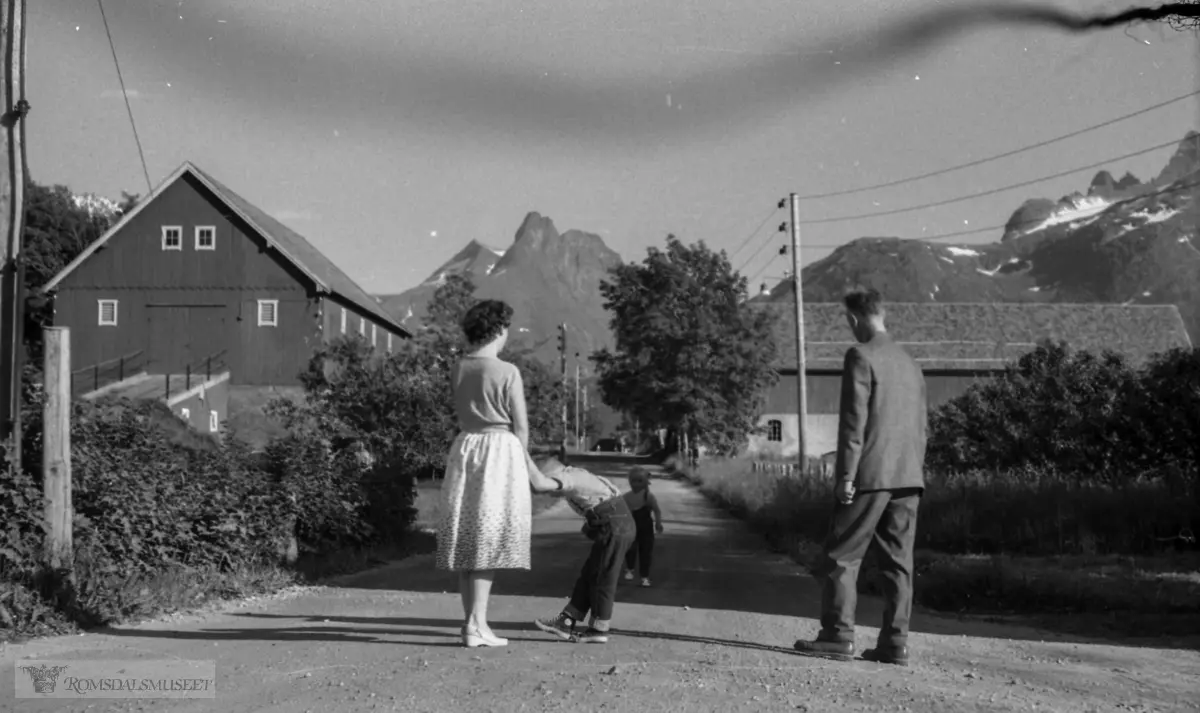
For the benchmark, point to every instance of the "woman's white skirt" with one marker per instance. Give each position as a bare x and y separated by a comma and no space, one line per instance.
486,517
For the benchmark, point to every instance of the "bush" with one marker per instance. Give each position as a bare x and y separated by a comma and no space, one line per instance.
146,509
1077,414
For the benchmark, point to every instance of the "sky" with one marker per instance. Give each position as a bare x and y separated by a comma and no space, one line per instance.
390,133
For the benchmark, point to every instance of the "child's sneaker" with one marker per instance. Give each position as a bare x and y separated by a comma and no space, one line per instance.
645,581
592,636
629,575
562,626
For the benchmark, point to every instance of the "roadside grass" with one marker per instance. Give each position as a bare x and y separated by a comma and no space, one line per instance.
1094,558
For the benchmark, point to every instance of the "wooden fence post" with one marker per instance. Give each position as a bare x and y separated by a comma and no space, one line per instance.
56,446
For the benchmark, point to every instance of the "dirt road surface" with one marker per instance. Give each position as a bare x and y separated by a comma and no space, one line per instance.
714,633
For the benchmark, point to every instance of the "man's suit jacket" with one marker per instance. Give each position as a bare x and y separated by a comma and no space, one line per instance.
883,421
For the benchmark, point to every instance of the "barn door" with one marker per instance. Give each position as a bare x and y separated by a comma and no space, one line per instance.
169,339
183,336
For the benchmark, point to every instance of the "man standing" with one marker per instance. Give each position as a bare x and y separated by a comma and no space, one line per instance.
879,479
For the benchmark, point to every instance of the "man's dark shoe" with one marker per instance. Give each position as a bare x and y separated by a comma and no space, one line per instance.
836,650
895,655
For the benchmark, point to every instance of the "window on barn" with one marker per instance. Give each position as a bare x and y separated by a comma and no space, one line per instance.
343,320
389,340
362,326
213,422
185,413
172,237
206,237
108,313
374,336
774,430
268,313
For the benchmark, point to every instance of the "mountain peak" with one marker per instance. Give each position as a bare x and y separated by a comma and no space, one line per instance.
1184,162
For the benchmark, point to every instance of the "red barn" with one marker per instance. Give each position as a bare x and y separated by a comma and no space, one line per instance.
955,344
196,283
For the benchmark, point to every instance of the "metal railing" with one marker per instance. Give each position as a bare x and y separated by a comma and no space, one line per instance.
205,366
126,365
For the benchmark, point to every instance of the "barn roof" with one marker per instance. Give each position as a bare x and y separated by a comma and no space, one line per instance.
984,336
327,276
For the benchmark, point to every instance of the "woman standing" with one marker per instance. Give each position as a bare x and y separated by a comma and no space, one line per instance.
486,515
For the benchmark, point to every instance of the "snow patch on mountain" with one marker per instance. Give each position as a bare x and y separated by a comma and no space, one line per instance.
1078,212
1166,213
962,252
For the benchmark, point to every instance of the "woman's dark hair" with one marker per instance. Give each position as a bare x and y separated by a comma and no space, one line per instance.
485,320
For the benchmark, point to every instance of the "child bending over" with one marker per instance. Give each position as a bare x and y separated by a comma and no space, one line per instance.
609,525
643,505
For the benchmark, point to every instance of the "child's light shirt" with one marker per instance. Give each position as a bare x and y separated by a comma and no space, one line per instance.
584,489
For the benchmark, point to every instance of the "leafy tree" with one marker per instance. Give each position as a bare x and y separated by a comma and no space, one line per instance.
1070,410
690,355
55,232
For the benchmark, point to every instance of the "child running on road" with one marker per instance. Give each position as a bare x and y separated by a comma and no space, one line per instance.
611,529
648,520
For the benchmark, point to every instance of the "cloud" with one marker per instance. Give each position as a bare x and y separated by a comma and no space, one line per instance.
300,215
116,94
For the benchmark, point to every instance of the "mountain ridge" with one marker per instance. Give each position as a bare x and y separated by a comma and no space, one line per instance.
1124,242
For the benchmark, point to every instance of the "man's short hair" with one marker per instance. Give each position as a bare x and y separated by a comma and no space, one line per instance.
864,303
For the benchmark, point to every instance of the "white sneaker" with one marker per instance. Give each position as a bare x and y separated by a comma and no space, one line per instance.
645,581
629,575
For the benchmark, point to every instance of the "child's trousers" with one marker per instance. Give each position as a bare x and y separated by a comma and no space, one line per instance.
643,550
613,533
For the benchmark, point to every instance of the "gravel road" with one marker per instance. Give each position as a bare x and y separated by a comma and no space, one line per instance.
714,633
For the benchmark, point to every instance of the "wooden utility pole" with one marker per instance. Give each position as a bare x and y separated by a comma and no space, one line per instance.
576,401
56,446
12,205
585,421
562,358
801,372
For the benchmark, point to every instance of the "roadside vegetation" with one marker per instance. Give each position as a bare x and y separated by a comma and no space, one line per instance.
1068,485
166,519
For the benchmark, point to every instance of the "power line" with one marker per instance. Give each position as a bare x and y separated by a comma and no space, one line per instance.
1025,223
125,94
1006,154
1173,188
764,244
958,199
755,232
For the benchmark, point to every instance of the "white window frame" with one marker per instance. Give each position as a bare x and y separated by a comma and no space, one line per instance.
178,230
211,246
374,336
274,322
100,304
214,421
185,413
343,320
362,326
771,423
389,343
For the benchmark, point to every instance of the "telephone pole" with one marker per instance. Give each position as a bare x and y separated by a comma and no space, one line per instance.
585,421
562,359
12,208
577,401
801,372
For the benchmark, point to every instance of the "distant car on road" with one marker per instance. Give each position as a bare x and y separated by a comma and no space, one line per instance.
608,445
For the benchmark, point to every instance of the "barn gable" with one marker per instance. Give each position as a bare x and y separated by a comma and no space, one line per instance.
291,246
983,336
